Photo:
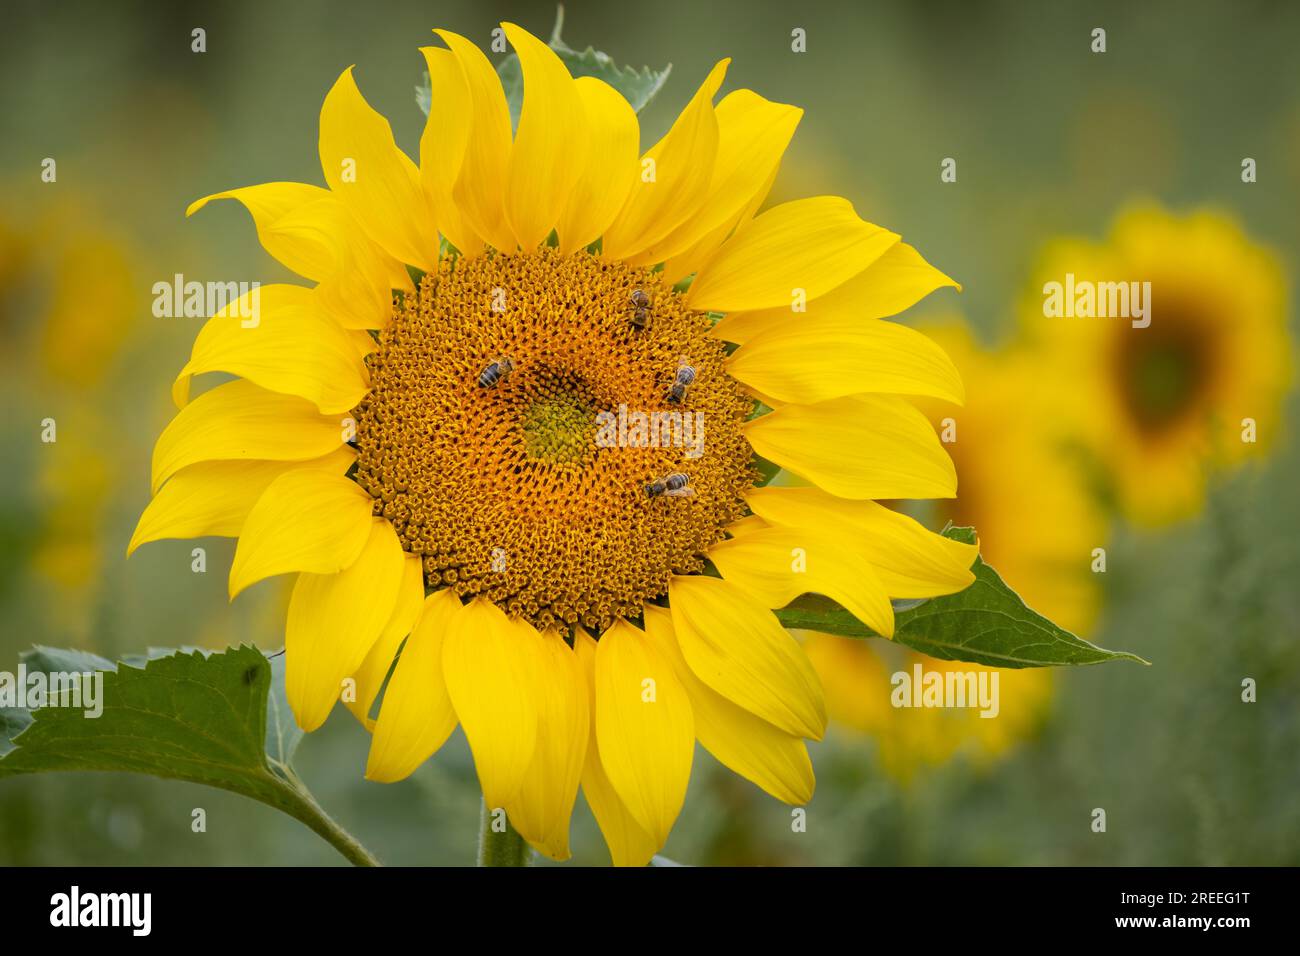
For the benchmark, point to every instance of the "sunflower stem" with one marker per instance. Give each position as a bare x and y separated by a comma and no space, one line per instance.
499,844
299,803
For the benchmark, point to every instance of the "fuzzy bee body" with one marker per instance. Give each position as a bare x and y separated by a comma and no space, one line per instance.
670,486
685,376
640,309
495,373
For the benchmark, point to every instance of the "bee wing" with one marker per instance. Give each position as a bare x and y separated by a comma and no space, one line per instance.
684,492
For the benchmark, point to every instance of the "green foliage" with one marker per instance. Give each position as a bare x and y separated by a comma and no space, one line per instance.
637,86
220,719
987,623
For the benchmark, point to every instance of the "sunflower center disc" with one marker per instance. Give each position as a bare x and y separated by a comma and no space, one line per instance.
531,490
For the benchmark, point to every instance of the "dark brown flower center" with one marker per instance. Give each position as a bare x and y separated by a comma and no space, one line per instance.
517,415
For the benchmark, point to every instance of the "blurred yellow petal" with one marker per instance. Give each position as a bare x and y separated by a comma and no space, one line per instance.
334,620
776,565
544,805
269,203
373,178
674,178
910,561
739,648
488,663
862,446
369,678
753,134
813,245
816,358
214,497
306,520
480,188
770,758
551,133
416,716
442,146
644,728
629,844
239,420
277,337
609,167
893,283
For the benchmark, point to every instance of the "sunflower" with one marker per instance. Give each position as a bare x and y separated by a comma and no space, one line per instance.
1197,389
60,357
429,462
1039,524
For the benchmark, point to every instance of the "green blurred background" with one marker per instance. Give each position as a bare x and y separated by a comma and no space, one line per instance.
1050,139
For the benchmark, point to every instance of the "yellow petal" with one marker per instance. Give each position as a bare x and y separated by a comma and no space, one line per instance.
372,177
896,281
269,203
551,133
239,420
674,179
357,290
542,809
334,620
628,842
644,728
863,446
698,256
416,717
910,561
776,565
739,648
812,245
442,147
277,337
480,188
752,136
745,526
214,497
771,758
370,676
488,662
821,357
306,520
609,167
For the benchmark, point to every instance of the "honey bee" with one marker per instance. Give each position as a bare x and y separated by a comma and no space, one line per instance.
496,372
685,376
640,309
670,486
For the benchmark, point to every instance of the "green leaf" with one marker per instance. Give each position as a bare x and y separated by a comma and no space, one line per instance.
424,94
987,624
13,721
637,86
219,719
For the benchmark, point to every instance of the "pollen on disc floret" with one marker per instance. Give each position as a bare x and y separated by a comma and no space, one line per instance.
501,482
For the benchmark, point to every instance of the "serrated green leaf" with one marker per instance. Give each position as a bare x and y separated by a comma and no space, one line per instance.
181,715
13,721
637,86
987,624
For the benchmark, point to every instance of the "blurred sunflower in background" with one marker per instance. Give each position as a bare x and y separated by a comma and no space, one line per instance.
429,465
60,260
1038,524
1198,389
